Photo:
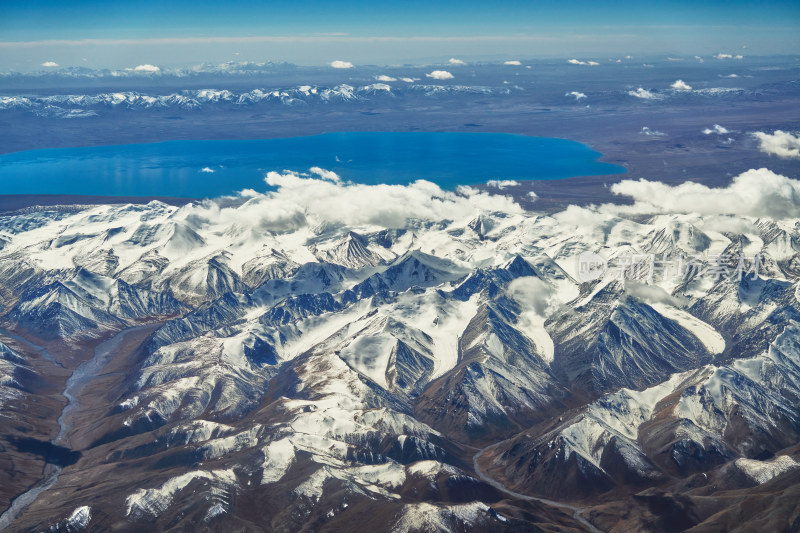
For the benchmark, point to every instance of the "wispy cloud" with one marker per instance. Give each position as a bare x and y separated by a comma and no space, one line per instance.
651,133
49,64
384,77
651,293
578,96
728,56
291,39
586,63
719,130
454,61
644,94
325,174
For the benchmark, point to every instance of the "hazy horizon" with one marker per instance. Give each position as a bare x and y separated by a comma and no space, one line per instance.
173,34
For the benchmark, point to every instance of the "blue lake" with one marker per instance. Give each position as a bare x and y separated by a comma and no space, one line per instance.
197,169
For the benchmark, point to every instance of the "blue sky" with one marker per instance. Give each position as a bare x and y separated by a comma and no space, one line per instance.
115,34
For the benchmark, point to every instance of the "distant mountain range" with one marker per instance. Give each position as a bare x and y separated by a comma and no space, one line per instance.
79,106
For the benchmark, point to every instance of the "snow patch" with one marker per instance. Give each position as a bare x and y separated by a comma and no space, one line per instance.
150,503
763,471
80,517
711,339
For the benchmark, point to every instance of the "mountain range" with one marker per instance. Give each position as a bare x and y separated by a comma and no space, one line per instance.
227,366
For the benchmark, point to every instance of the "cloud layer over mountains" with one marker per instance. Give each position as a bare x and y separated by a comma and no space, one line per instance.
757,192
321,197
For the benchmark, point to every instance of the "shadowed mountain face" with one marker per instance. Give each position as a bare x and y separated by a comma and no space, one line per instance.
450,372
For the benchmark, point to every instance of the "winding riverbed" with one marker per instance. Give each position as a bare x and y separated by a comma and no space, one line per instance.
577,512
35,347
84,373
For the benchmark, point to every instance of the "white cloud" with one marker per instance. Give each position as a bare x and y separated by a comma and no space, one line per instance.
719,130
440,75
651,294
328,175
756,193
207,170
590,221
537,300
576,94
651,133
341,64
303,200
699,59
513,62
643,94
731,76
781,143
533,294
681,85
384,77
577,62
146,68
728,56
501,184
454,61
408,80
49,64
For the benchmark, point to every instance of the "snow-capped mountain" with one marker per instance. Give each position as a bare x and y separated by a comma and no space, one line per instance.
688,424
307,369
87,105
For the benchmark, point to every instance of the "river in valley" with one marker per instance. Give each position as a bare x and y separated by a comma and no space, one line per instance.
83,374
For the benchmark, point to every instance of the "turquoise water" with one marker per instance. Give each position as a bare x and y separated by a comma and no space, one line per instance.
176,168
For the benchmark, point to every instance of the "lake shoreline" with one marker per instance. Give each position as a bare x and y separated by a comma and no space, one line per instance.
211,169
